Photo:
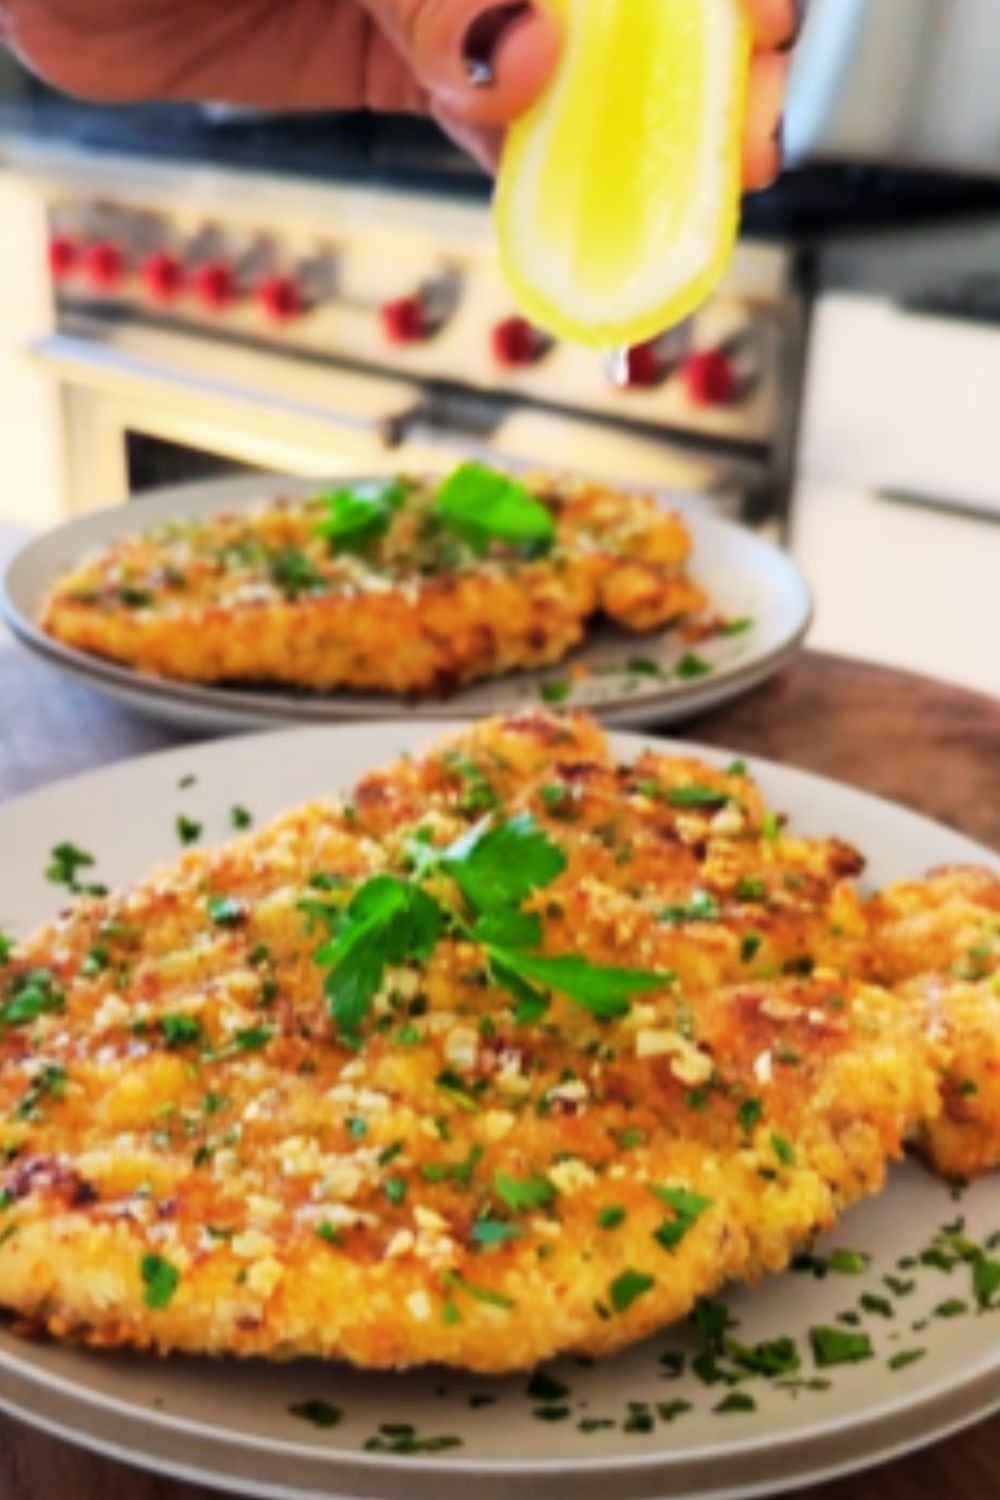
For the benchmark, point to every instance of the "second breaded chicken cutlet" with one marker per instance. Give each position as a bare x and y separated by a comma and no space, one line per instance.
405,586
516,1052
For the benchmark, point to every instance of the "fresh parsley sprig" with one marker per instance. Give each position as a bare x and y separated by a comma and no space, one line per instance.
496,867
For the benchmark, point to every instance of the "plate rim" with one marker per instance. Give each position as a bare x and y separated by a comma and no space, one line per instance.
657,1462
282,707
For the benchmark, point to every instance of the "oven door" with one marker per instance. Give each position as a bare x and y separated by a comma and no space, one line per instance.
141,409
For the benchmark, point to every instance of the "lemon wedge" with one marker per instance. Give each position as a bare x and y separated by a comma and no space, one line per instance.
618,198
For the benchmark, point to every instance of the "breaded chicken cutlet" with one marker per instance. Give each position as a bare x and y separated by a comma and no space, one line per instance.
516,1052
406,587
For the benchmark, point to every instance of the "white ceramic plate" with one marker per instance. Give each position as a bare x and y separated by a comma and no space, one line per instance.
231,1425
745,577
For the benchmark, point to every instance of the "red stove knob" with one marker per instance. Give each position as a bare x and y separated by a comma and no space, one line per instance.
104,265
164,277
215,286
516,343
405,321
281,299
642,367
710,378
64,256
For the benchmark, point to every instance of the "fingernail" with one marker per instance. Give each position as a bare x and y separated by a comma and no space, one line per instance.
483,38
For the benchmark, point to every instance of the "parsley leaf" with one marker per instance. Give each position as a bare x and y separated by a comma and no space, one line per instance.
498,867
188,831
832,1346
160,1280
627,1288
508,929
522,1194
697,796
494,1232
32,994
482,506
386,922
295,575
6,948
604,992
358,515
688,1208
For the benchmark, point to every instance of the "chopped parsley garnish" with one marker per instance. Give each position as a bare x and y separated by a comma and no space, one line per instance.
751,888
628,1288
50,1083
182,1031
771,827
905,1358
96,961
611,1217
736,627
736,1401
543,1387
772,1358
483,1294
483,507
641,666
160,1280
526,1193
252,1039
986,1280
737,768
452,1086
65,863
849,1262
953,1308
487,1232
134,598
186,782
834,1346
696,796
879,1305
783,1150
750,946
318,1413
691,666
556,797
749,1115
6,948
688,1208
702,907
669,1411
295,575
240,818
226,911
188,831
360,514
556,690
395,1190
30,995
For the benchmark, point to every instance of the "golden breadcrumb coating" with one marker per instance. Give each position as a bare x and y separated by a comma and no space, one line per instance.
260,596
938,942
200,1157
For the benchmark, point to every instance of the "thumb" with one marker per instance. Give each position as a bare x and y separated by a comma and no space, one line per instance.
481,61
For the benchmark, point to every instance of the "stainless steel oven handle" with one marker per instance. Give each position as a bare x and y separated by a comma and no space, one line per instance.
104,368
941,505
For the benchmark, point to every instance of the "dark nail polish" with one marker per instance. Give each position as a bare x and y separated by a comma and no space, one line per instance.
483,38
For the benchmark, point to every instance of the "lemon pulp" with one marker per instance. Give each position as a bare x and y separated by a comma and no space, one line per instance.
619,192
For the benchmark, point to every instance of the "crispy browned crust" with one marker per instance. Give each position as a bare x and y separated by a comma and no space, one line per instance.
417,613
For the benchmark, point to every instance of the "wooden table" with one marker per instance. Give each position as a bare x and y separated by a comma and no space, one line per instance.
920,742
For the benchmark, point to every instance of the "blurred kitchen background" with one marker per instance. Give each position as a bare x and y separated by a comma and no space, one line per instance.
187,292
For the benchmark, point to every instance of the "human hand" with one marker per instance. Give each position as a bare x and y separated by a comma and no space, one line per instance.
475,66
